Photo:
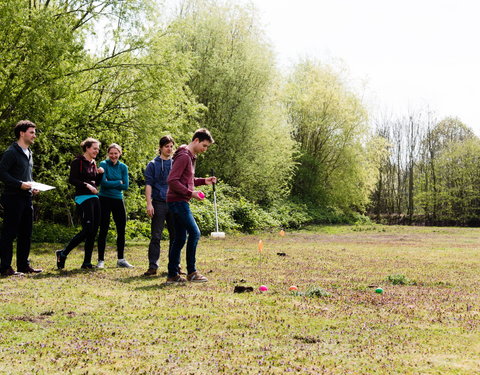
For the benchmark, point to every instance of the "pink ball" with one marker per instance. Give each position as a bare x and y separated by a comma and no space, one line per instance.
201,195
263,288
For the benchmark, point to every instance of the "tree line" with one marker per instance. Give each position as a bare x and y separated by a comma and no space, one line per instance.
297,145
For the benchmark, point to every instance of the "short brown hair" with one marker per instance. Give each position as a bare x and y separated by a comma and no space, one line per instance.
165,140
87,143
203,135
23,126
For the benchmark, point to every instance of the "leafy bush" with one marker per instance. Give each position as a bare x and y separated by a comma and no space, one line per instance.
51,232
290,214
136,230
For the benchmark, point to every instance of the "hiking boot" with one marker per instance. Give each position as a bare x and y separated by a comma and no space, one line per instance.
101,264
30,270
196,277
150,272
87,266
176,280
10,272
122,263
60,259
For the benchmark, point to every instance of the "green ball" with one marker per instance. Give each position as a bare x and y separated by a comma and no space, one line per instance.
379,290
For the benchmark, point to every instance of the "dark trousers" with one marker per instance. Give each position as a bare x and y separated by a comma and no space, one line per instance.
160,216
116,207
90,213
17,223
184,223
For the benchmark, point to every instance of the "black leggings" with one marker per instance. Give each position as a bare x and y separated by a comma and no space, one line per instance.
90,212
117,208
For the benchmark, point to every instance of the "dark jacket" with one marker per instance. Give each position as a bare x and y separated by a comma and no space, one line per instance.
156,176
182,181
83,172
15,168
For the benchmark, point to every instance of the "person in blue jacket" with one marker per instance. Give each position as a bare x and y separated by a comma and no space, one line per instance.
114,182
156,186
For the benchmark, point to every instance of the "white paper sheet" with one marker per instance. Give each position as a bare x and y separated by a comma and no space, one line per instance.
41,187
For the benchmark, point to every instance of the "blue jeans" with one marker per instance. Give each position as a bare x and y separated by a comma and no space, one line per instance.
184,223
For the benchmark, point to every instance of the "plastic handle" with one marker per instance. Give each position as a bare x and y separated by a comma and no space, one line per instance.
212,173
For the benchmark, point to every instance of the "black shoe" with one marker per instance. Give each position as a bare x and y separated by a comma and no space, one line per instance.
60,259
30,270
10,272
87,266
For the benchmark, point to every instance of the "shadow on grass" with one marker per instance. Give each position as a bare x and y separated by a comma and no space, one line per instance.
61,273
131,279
162,285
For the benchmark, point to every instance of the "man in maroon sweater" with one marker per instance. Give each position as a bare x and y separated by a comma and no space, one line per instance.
181,188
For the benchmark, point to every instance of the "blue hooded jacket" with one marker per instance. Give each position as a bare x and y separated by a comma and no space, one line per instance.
156,176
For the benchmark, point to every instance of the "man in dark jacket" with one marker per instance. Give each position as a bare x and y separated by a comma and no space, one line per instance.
16,172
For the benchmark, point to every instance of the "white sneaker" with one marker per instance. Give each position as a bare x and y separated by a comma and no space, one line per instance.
101,264
124,264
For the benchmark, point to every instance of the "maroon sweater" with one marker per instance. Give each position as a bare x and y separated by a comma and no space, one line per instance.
181,180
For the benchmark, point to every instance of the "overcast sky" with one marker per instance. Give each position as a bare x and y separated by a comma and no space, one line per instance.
412,54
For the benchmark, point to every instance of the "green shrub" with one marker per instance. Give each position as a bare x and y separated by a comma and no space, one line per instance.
290,214
400,280
51,232
136,230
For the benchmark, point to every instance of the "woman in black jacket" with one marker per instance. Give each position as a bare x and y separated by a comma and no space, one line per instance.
85,176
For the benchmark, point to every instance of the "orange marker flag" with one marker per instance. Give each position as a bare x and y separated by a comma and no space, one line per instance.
260,246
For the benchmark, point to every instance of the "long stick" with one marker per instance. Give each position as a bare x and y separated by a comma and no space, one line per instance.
215,203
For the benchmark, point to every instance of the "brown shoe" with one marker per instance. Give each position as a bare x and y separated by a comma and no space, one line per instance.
180,272
150,272
176,280
196,277
31,270
10,272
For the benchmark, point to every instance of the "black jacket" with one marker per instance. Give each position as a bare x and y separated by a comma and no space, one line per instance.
84,172
15,168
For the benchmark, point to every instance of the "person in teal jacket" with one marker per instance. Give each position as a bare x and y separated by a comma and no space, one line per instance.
114,182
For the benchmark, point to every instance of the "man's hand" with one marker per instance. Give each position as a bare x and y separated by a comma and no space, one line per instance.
26,186
100,170
198,195
211,180
35,191
150,210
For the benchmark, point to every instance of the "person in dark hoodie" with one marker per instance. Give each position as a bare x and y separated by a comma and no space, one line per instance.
16,172
114,181
85,176
181,188
156,187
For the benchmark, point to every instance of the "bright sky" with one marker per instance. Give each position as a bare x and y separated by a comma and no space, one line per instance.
412,54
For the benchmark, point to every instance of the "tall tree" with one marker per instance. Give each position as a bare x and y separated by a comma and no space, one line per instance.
236,82
330,125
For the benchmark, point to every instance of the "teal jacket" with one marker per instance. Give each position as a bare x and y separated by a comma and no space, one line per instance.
114,180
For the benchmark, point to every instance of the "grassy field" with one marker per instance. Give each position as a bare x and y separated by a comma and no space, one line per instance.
115,321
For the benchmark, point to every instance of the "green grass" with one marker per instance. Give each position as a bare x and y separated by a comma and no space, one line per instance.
115,321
